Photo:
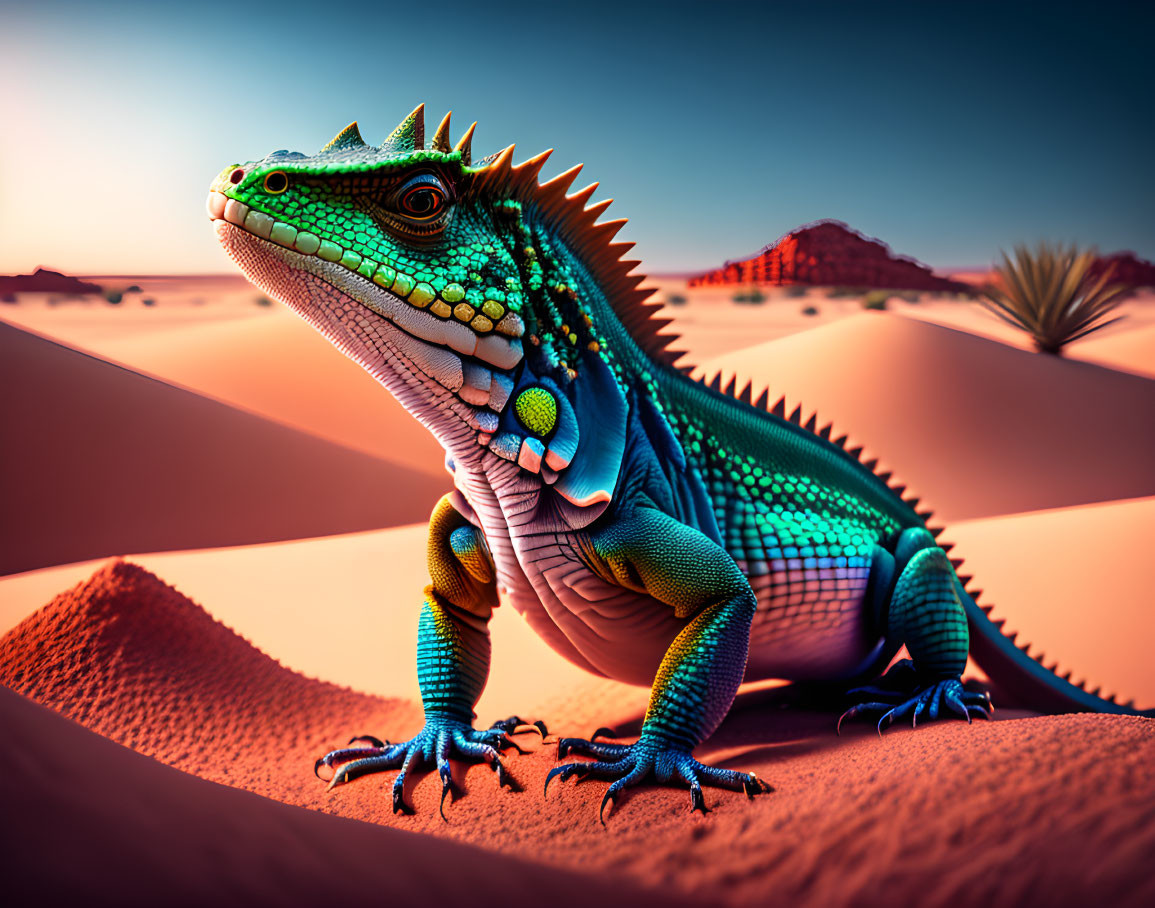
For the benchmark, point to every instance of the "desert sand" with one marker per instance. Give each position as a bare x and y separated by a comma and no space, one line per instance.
949,814
1040,431
106,460
184,841
1045,462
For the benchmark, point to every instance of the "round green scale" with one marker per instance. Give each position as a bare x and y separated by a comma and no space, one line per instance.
537,410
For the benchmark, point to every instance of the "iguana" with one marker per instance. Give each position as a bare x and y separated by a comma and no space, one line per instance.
652,529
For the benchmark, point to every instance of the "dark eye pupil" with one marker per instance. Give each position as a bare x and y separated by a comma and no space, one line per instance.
421,201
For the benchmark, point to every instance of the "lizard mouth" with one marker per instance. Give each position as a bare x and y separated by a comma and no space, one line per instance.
329,294
401,343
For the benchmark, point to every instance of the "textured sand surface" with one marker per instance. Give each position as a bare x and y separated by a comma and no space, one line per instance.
976,427
181,841
109,461
1055,810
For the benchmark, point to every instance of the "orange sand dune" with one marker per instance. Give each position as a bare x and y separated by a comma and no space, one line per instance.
1034,811
344,608
279,367
1076,584
1133,350
100,825
975,427
99,460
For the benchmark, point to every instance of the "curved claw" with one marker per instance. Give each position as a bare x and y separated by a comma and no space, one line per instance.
399,805
504,779
446,787
697,799
564,771
608,799
373,741
602,732
858,710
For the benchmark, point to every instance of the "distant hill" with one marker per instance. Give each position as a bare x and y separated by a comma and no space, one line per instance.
830,253
1129,269
45,281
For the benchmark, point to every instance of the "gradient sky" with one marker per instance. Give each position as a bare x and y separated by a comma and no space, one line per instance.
947,130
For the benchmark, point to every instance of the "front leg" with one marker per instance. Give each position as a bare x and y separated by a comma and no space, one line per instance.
696,682
453,651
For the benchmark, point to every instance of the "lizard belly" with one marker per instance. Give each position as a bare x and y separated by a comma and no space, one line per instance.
622,634
811,622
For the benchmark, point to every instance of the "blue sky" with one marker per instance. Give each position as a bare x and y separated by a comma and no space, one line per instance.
947,130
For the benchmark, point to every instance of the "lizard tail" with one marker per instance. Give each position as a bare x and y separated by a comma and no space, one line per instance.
1032,683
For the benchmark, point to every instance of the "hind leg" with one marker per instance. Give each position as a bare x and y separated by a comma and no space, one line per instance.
925,612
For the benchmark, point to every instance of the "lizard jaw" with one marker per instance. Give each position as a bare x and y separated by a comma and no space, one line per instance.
431,381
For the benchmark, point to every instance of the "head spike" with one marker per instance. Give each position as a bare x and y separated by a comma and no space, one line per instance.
465,145
528,169
349,137
410,132
441,137
582,196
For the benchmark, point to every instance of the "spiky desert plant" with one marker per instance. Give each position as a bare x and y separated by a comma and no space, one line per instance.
1051,294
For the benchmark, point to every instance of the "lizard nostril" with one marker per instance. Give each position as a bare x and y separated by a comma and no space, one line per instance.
237,175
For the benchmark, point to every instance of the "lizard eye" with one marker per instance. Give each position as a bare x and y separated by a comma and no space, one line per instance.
276,182
422,198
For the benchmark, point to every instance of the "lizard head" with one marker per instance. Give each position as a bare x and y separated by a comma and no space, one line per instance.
480,297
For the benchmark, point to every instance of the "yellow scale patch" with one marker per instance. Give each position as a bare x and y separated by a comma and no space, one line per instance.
537,410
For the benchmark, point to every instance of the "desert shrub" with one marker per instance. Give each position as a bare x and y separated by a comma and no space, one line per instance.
810,310
753,296
8,298
148,301
910,296
135,288
794,291
1049,293
876,299
262,301
835,293
675,299
113,296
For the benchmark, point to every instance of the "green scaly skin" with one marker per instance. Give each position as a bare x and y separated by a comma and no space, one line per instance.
652,529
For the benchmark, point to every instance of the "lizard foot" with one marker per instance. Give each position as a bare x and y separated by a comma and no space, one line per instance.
437,742
629,764
901,693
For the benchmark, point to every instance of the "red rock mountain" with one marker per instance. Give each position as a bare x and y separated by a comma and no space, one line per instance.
45,281
1129,269
830,253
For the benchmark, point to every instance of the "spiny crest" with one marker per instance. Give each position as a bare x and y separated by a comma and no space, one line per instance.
567,213
578,225
811,425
